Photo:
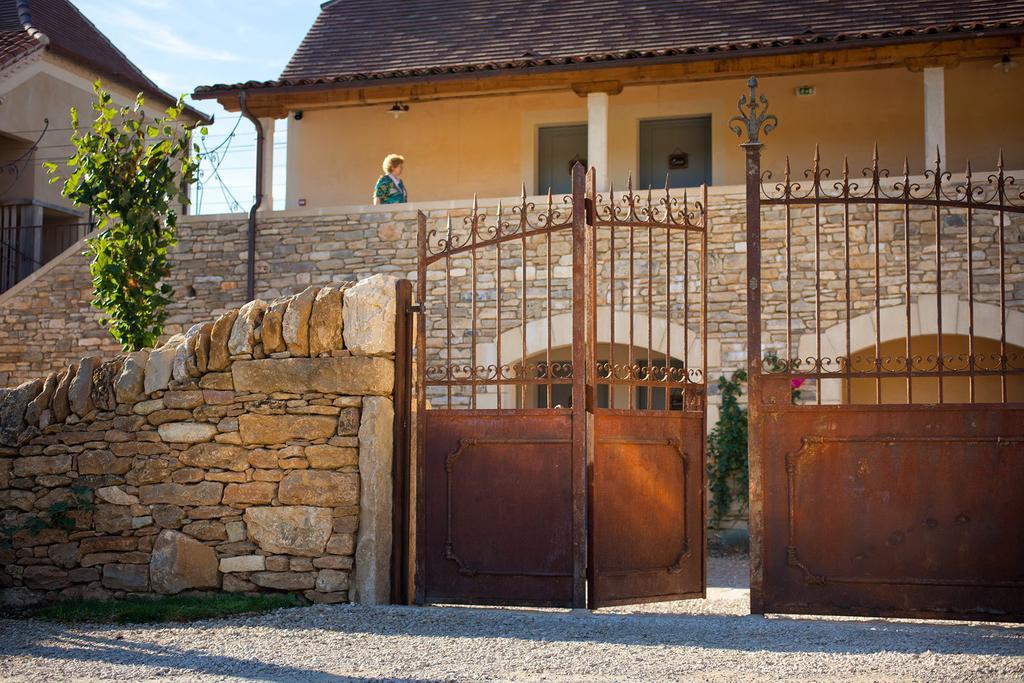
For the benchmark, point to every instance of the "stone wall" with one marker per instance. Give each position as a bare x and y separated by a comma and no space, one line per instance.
250,453
47,321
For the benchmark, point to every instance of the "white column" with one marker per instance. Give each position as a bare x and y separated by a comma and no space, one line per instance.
934,114
291,176
268,164
597,137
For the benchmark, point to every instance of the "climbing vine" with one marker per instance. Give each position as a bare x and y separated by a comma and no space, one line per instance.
728,475
728,469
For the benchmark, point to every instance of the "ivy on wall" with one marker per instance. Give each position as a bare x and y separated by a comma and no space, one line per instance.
728,475
728,469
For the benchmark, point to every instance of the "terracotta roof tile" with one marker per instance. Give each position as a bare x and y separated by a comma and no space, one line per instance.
365,40
14,46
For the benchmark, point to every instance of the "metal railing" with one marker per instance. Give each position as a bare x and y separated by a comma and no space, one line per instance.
24,249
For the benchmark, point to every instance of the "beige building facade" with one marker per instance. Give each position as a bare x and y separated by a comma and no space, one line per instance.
58,57
491,145
642,90
35,120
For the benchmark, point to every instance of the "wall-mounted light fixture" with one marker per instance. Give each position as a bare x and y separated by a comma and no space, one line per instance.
1005,64
398,108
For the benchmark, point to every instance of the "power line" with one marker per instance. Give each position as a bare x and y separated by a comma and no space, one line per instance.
215,172
227,140
212,154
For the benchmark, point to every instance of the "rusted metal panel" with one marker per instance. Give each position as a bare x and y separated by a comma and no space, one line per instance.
647,496
883,510
504,513
647,499
894,511
499,507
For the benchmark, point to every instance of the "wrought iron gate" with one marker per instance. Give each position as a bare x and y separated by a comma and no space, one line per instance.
896,489
561,359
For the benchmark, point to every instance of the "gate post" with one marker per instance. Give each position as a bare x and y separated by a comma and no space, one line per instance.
581,300
401,463
419,544
752,118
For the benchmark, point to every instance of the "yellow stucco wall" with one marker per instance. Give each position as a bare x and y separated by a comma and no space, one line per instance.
488,145
987,388
46,88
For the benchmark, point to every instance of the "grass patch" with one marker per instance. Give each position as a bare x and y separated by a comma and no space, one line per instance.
163,609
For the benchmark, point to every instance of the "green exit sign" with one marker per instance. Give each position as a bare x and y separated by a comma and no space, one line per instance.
804,90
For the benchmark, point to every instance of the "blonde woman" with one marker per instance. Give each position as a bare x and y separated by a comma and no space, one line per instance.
390,189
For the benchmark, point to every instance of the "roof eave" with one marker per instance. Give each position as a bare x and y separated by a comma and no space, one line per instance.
163,97
16,58
227,94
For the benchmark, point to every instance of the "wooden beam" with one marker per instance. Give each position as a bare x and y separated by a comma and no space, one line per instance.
608,87
278,101
942,61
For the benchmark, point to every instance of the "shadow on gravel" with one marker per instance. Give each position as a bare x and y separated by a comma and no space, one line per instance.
728,632
171,661
741,634
747,634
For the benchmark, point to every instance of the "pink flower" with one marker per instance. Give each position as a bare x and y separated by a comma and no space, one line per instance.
797,383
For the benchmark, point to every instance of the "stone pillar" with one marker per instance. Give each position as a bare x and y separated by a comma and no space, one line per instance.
934,113
372,579
268,164
597,137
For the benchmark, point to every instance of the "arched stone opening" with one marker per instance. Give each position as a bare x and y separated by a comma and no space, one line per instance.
987,388
680,342
956,320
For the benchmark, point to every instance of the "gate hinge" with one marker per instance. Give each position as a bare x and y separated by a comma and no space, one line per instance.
414,308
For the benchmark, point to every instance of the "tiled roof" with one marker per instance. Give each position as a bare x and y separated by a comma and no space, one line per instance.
366,40
56,25
15,40
14,46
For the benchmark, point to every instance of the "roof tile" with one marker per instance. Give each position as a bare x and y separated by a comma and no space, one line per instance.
358,40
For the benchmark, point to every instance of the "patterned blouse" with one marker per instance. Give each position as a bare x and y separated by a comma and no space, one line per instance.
388,192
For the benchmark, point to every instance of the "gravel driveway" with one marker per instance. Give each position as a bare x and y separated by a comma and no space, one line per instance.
713,639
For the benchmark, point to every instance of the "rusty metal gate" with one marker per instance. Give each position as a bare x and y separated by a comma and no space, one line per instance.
561,357
886,398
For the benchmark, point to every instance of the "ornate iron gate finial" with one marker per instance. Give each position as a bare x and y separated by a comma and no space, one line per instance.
755,117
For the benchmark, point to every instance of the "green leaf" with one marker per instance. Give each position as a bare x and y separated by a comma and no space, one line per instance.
129,168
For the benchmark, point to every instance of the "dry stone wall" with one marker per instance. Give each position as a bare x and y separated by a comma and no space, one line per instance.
249,453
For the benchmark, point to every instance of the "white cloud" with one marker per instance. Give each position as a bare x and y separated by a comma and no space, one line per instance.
157,36
169,81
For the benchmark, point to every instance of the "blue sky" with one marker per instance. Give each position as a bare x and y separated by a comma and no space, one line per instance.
181,44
